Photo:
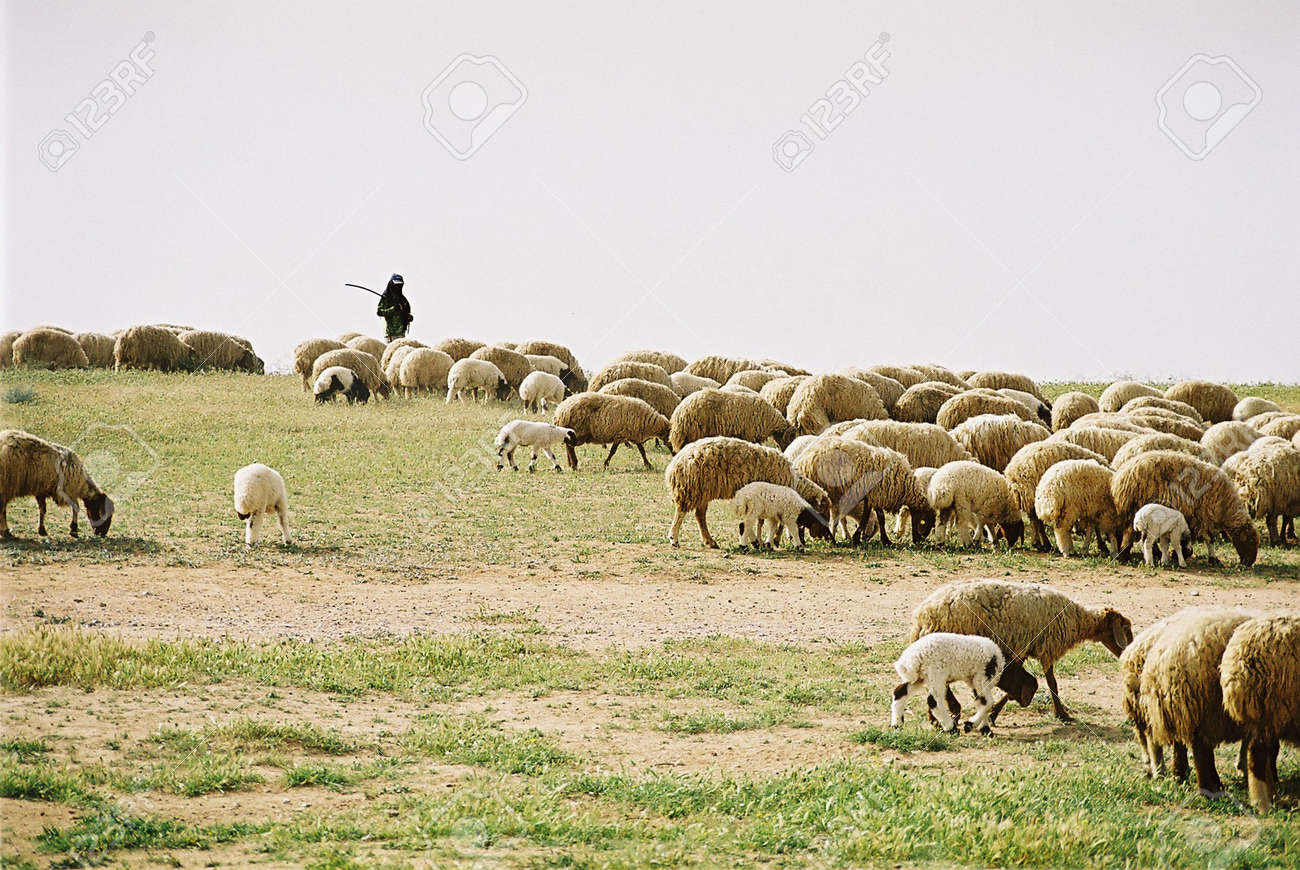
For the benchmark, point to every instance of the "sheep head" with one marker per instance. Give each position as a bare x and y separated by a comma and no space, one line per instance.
922,523
1245,540
1013,532
1018,682
99,510
502,390
814,522
1114,631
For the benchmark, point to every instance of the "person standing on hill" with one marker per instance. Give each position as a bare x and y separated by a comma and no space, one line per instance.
395,310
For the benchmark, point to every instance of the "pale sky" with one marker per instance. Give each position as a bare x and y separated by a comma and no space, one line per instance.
1004,198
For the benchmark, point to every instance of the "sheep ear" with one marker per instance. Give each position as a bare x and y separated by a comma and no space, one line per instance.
1121,629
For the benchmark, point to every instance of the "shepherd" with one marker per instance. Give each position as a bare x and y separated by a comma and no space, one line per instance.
395,310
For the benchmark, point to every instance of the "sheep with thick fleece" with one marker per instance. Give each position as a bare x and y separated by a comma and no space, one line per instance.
971,497
1006,380
709,413
393,368
601,418
977,402
544,362
1267,476
663,399
394,346
340,381
920,403
924,444
366,365
1077,491
1027,620
372,346
721,368
306,353
459,348
217,350
717,468
1105,442
1259,676
98,348
799,445
540,389
7,340
923,476
1161,441
514,366
1214,402
1250,406
1040,408
259,490
1138,403
618,371
1115,395
49,349
1027,468
32,466
473,375
754,378
760,504
941,374
1069,407
889,390
149,347
878,479
1282,427
1169,422
685,383
937,660
575,381
1131,663
422,368
669,362
829,398
345,337
1158,524
529,433
905,375
994,439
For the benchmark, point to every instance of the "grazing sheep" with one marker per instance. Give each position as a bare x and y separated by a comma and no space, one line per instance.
1027,468
920,403
738,388
1131,663
799,445
49,349
1069,407
149,347
1077,492
364,364
1199,490
306,353
876,478
923,476
1182,408
1160,441
905,375
972,497
717,468
345,337
574,379
514,366
669,362
393,368
641,371
1107,420
1282,427
939,659
1259,676
1250,406
1027,620
709,413
393,347
1180,695
1164,526
422,368
685,383
7,340
1006,380
888,389
599,418
1168,422
754,379
540,389
941,374
779,507
779,391
546,363
475,375
922,443
829,398
528,433
460,348
721,368
1114,396
1106,442
32,466
1214,402
1267,477
976,402
259,490
994,438
216,350
663,399
1032,403
1229,437
372,346
340,380
98,348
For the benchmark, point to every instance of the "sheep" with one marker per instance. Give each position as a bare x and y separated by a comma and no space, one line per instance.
1229,437
1069,407
1161,441
364,364
1199,490
340,380
720,368
473,375
972,497
345,337
574,379
1259,676
216,350
149,347
32,466
888,389
1027,468
393,368
942,658
1180,695
1267,477
1214,402
779,391
829,398
1163,526
1107,420
422,368
618,371
459,348
877,478
599,418
1027,620
1131,663
922,443
1105,442
514,366
7,340
905,375
761,503
49,349
393,347
782,368
669,362
920,403
754,379
1115,395
738,388
685,383
259,490
1169,422
1249,406
544,362
994,438
1139,402
973,403
717,468
923,475
528,433
1265,418
799,445
372,346
1006,380
662,399
98,348
1282,427
1037,406
941,374
306,353
1077,491
541,388
708,413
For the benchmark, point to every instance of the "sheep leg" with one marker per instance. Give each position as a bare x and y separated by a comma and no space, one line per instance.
1179,766
1148,552
1207,776
282,509
700,518
676,528
1209,550
1057,707
980,719
880,518
899,707
788,525
1063,540
941,712
1039,533
1270,522
997,709
612,448
1242,760
72,527
532,462
1261,775
4,520
551,456
1177,546
644,458
40,513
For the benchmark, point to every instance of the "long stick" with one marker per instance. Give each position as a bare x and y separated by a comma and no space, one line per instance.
367,289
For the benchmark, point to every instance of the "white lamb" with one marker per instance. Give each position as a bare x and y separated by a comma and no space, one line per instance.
777,507
528,433
539,388
1165,526
473,375
940,659
259,490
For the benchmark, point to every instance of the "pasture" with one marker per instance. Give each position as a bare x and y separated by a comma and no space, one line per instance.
458,666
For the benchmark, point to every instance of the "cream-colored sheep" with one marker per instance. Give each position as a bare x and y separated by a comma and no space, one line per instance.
972,497
1077,492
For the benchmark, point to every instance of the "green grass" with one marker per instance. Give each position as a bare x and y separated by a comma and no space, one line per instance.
19,395
905,739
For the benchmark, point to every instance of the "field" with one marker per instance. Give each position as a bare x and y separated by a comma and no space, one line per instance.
455,666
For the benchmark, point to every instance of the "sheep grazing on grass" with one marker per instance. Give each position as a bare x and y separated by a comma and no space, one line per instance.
709,413
149,347
905,375
1032,403
514,366
259,490
216,350
754,378
1161,441
364,364
538,436
974,403
1069,407
937,660
1267,477
661,398
1131,663
574,379
458,348
971,497
888,389
920,403
474,376
1027,620
1198,490
861,480
7,340
393,347
760,504
599,418
1165,527
1169,422
669,362
98,348
1077,492
49,349
923,476
393,368
619,371
717,468
1259,676
372,346
994,438
1006,381
421,368
546,363
721,368
924,444
1105,442
541,389
306,353
1250,406
340,381
32,466
1107,420
1027,468
780,391
1138,403
685,383
1214,402
1282,427
941,374
829,398
1114,396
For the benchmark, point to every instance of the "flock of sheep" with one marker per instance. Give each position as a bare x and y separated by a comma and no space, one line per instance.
162,346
